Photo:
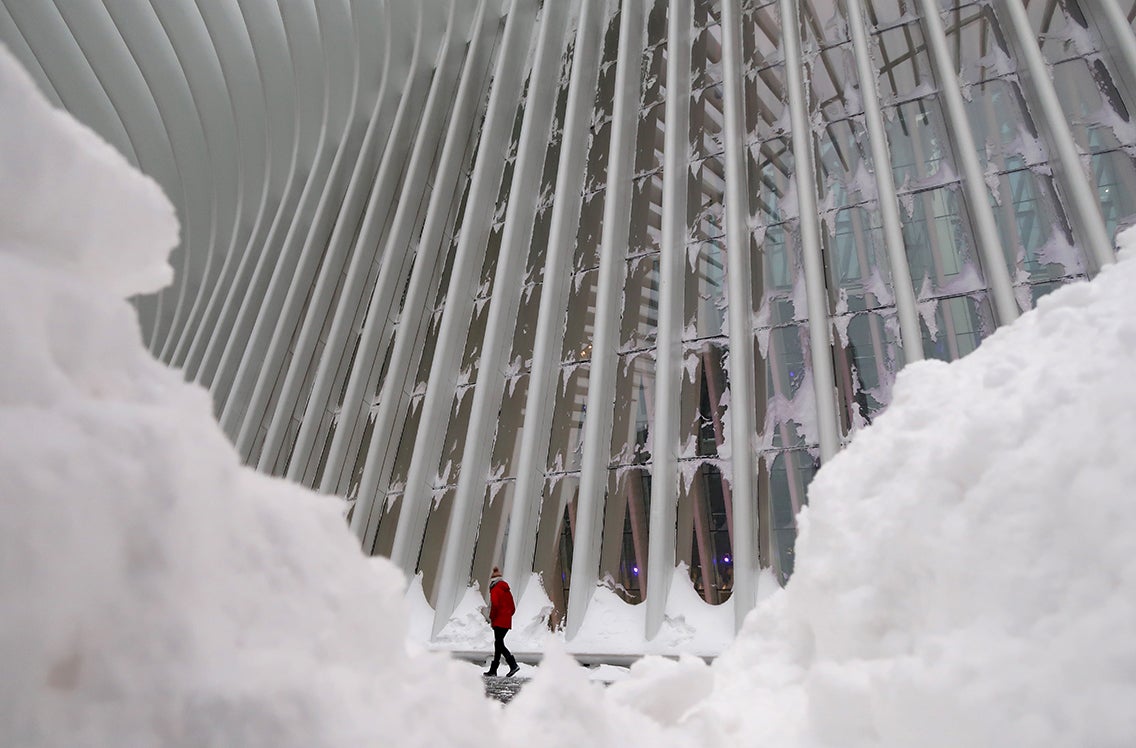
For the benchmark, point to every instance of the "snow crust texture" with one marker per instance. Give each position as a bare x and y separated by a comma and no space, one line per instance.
966,570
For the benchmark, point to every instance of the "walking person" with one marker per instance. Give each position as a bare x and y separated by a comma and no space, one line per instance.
501,609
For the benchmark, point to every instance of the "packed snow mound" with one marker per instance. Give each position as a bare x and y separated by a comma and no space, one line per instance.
967,566
155,592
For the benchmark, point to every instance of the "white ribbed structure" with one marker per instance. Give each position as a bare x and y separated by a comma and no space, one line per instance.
589,289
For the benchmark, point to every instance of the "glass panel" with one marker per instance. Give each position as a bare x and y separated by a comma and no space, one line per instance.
777,281
388,513
589,234
427,357
567,429
761,35
471,356
889,12
646,230
843,163
649,142
433,540
765,103
702,407
1115,177
902,61
598,152
450,461
581,317
1032,228
640,319
507,443
524,335
832,82
489,547
822,24
554,540
1092,114
789,419
1003,129
919,146
538,247
623,551
771,169
1060,29
704,529
634,409
706,57
705,291
655,61
939,250
868,356
706,121
705,195
789,476
405,445
954,327
857,260
978,49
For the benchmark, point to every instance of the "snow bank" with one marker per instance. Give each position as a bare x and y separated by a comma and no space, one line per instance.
613,626
967,566
154,592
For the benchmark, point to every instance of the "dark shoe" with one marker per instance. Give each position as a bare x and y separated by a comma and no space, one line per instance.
512,671
492,673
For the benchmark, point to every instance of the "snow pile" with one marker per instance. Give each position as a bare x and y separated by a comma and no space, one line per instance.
153,591
612,627
967,567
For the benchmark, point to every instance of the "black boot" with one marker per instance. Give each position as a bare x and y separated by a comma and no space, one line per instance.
512,670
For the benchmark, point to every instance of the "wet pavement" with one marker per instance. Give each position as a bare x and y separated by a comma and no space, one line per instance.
501,688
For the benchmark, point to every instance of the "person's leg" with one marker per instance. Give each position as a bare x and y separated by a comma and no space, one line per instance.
498,649
512,661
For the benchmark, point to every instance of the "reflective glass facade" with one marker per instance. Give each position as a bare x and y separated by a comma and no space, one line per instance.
591,289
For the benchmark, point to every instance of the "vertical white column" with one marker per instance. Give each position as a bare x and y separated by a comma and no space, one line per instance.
374,172
905,307
238,59
275,105
268,348
381,307
549,337
489,389
820,337
1118,38
469,254
739,293
368,252
312,161
609,289
393,398
1081,197
665,432
966,155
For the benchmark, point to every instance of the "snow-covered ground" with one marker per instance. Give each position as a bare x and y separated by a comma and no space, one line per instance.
613,626
966,570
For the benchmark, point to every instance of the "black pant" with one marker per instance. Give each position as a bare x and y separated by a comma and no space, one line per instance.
499,649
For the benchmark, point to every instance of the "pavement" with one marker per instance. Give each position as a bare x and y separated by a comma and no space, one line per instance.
501,688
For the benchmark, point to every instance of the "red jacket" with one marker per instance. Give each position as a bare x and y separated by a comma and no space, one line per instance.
501,607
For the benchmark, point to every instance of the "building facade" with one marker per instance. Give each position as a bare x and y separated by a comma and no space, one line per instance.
589,289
